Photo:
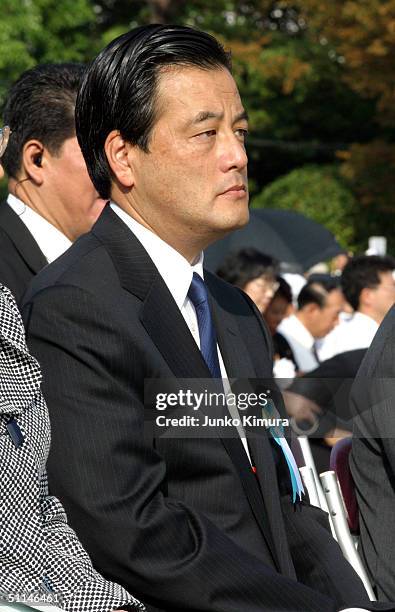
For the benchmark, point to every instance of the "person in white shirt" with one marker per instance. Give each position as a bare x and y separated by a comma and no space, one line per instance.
368,285
51,198
319,305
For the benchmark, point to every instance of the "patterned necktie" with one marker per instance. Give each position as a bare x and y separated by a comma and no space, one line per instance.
208,339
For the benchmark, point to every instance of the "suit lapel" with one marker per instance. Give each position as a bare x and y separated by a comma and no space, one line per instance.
233,350
239,365
260,445
22,239
159,313
165,324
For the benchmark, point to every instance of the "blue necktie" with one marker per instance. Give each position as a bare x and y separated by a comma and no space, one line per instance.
208,339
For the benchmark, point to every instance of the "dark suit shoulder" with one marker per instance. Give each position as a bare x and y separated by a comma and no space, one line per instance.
14,271
230,297
227,295
84,265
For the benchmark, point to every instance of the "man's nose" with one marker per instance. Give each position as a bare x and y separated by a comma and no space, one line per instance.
233,155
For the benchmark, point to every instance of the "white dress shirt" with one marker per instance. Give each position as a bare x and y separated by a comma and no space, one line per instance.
177,273
351,334
50,240
301,342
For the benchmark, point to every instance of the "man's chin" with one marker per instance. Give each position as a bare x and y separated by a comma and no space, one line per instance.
238,221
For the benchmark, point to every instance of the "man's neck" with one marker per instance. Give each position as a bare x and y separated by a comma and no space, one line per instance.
369,312
302,319
188,248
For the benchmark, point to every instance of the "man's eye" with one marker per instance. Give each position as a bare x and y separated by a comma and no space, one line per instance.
242,133
206,134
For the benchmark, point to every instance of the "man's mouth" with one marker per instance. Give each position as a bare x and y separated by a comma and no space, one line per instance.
235,189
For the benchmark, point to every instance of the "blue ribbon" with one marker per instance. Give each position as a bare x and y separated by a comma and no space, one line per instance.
277,432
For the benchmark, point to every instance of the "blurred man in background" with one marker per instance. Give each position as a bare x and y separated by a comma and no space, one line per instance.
368,285
319,306
51,198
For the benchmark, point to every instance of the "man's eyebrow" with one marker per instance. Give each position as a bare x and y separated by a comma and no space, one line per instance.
205,115
243,116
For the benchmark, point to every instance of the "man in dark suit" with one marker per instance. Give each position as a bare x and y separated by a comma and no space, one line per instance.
373,457
200,521
51,199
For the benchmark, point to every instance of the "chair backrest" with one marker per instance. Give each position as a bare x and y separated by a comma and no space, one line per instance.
339,463
309,463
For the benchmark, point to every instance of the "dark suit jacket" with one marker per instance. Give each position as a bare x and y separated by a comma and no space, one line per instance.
373,457
183,522
329,386
20,255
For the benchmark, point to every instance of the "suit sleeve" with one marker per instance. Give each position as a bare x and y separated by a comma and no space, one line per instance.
112,481
11,276
373,396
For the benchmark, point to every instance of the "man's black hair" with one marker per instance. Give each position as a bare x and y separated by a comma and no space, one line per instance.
283,290
245,265
40,106
316,291
362,272
120,89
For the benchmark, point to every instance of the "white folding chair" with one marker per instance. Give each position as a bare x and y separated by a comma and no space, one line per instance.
311,480
347,542
310,464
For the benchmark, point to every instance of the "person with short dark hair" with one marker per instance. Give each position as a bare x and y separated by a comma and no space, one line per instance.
253,272
368,284
277,310
41,557
207,521
279,306
319,305
51,199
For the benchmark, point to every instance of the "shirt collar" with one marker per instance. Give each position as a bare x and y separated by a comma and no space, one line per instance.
301,333
364,321
50,240
175,270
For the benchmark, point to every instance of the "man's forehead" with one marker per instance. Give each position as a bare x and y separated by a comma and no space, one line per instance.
198,92
387,275
334,297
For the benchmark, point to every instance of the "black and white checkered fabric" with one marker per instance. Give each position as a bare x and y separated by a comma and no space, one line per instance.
39,552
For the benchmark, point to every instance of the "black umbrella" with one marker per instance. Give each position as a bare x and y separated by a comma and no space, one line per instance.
293,239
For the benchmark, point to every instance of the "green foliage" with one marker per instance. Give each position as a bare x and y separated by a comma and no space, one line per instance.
310,76
42,31
319,193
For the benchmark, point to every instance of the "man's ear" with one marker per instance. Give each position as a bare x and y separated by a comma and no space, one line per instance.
120,159
34,161
366,297
312,309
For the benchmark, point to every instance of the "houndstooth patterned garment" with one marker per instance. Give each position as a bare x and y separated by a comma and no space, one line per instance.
39,552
